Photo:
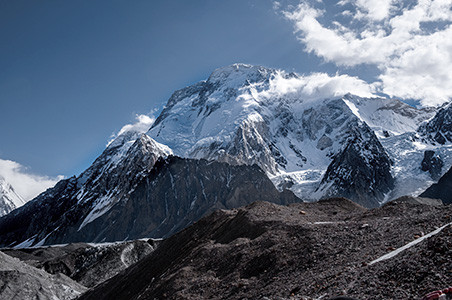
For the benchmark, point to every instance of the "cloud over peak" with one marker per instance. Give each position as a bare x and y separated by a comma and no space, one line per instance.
26,184
141,125
316,86
410,44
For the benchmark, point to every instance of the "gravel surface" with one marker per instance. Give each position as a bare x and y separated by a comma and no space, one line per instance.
301,251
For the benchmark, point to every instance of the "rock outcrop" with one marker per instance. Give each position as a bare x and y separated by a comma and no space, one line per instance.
442,189
361,171
433,164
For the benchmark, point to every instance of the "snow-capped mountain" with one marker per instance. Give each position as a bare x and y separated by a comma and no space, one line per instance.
81,200
438,129
9,198
312,143
116,172
253,115
135,189
388,117
422,156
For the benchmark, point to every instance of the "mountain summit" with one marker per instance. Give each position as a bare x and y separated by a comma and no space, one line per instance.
299,134
247,133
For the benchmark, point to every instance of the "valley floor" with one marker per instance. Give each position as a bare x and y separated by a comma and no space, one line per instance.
301,251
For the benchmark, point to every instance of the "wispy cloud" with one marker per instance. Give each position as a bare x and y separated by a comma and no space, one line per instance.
410,44
316,86
142,125
26,184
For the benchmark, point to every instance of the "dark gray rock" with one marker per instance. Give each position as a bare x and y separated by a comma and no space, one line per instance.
300,251
88,264
432,163
418,200
439,128
361,171
442,189
19,280
178,192
175,193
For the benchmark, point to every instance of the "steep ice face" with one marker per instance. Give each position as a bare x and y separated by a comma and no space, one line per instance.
408,152
9,199
388,117
203,120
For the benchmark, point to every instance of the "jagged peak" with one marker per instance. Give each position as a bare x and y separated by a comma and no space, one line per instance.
438,129
148,144
240,73
9,198
123,139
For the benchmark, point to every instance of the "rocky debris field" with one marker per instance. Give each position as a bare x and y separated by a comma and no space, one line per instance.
20,281
85,264
304,251
301,251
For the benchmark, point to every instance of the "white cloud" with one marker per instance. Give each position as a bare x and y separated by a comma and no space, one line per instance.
317,86
410,45
375,10
142,125
27,185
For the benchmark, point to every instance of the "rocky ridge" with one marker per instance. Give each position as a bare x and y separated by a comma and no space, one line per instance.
172,195
360,171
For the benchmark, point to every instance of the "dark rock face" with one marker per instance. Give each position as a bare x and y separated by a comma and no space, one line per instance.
442,189
432,163
175,193
439,129
56,215
361,171
300,251
119,168
179,191
18,280
49,210
84,263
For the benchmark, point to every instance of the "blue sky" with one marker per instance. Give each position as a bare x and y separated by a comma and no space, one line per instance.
74,72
